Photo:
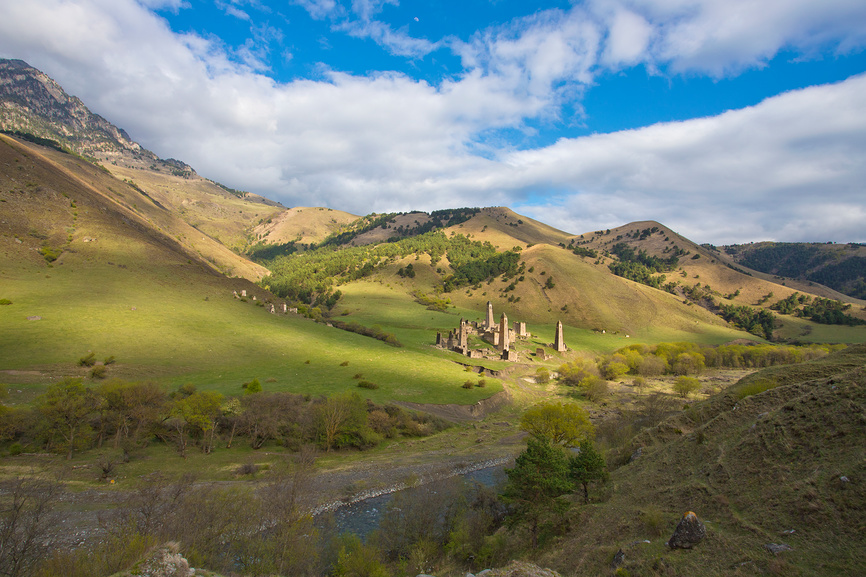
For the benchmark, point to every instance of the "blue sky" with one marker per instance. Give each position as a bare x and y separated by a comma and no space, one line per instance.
727,120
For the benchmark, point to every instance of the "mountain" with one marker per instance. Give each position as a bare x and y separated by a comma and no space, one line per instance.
35,107
841,267
35,104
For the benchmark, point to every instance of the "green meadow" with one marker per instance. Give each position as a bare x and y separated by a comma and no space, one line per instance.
174,326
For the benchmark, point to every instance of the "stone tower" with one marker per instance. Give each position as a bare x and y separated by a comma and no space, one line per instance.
488,322
504,343
558,342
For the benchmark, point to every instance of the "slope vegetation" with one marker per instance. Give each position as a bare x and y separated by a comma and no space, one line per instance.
759,464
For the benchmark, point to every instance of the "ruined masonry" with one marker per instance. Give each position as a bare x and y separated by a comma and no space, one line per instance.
500,335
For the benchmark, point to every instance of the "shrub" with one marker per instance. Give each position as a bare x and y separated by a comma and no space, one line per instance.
368,385
98,372
109,361
87,361
481,383
639,383
685,386
247,469
15,449
595,389
343,364
542,375
5,302
468,385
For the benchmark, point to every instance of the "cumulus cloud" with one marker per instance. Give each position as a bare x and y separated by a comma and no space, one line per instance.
786,169
387,141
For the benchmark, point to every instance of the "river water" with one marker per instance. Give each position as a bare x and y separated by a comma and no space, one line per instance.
363,517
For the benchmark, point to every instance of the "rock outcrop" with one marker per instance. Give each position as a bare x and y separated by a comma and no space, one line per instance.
689,532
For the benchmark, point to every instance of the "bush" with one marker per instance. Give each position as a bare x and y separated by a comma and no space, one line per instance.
87,361
109,361
639,383
468,385
344,364
368,385
98,372
685,386
15,449
595,389
542,375
5,302
481,383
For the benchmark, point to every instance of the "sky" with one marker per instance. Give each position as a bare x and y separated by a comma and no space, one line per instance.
729,121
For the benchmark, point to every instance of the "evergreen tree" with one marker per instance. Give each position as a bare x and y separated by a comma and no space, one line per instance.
536,484
587,466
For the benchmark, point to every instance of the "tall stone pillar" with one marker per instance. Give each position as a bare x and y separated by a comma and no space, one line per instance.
558,342
488,322
504,343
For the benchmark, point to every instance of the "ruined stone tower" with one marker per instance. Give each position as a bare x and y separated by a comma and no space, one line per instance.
558,342
488,322
504,343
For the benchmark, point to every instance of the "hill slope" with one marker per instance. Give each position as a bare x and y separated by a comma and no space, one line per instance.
780,466
34,105
840,267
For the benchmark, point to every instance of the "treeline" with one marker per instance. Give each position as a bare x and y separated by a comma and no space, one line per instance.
685,359
71,417
310,277
760,322
819,310
640,266
817,263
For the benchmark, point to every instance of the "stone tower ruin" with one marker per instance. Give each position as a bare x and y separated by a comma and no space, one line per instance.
558,341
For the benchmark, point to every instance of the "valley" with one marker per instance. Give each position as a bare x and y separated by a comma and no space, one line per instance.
185,362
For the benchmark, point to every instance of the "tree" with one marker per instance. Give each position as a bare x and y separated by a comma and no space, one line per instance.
341,417
685,386
587,466
536,484
67,406
558,423
25,520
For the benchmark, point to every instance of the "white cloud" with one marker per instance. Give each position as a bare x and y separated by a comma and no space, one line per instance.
726,36
789,168
318,9
390,142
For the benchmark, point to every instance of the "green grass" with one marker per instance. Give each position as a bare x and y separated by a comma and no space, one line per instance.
180,333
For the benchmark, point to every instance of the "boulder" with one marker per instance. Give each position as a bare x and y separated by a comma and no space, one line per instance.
776,548
689,532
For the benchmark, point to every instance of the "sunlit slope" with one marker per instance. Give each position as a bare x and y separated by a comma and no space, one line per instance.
45,175
121,288
209,208
586,295
504,229
303,225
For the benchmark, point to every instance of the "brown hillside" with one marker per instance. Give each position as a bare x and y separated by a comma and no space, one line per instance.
303,225
202,204
59,201
504,229
703,265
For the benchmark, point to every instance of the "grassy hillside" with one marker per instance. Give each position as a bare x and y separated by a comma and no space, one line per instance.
220,213
303,225
121,285
841,267
757,467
